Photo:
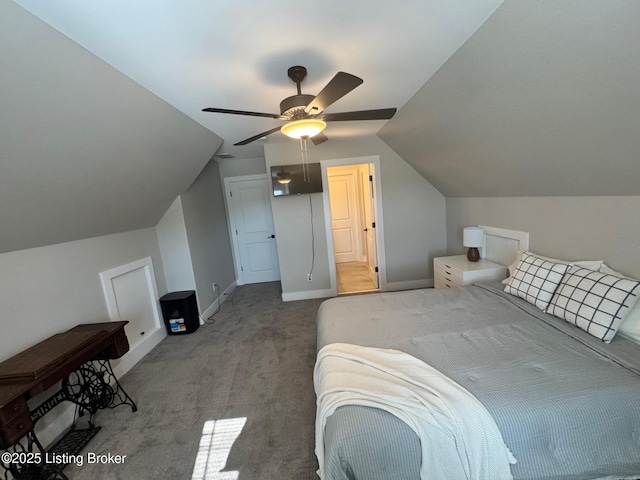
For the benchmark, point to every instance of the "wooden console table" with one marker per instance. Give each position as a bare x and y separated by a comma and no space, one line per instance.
80,359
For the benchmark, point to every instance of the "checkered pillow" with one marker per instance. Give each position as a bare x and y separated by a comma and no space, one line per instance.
535,279
595,302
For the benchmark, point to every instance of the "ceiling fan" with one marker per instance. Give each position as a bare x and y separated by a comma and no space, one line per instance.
304,113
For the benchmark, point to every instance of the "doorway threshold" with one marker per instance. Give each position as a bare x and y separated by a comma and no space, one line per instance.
359,292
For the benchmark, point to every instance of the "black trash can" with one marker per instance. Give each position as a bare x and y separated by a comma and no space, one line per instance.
180,312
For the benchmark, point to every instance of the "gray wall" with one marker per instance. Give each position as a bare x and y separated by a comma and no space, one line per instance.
544,99
174,248
413,212
208,236
46,290
237,167
571,228
85,151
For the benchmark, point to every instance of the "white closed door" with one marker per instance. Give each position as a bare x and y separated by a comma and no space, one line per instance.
252,220
344,217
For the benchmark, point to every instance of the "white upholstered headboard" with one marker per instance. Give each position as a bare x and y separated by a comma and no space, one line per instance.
501,245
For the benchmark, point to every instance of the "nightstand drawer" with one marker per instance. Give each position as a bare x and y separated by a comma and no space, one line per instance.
442,264
445,284
457,271
448,272
447,278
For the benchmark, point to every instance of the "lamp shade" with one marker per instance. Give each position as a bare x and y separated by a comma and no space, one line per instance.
473,237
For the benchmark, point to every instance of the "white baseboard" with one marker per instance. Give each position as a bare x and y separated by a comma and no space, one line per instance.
219,301
290,297
409,285
328,293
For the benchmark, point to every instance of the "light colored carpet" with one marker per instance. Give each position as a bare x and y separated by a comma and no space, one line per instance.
354,277
256,361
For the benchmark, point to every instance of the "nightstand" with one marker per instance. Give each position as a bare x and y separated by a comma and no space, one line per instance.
457,271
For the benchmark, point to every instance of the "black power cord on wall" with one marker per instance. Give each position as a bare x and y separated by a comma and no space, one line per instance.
313,251
210,320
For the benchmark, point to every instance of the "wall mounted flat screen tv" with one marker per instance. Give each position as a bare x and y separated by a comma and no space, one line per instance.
291,179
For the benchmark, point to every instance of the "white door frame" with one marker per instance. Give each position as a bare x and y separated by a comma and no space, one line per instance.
369,205
379,230
235,247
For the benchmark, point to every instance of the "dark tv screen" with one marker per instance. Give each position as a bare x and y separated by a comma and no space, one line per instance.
290,179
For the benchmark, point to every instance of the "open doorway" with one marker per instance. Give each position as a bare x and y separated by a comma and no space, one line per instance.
352,206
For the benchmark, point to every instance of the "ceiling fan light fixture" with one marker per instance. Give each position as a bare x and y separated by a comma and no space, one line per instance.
302,112
306,127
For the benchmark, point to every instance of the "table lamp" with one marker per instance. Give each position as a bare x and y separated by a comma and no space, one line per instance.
473,237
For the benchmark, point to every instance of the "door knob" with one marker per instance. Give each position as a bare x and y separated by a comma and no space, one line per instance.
272,236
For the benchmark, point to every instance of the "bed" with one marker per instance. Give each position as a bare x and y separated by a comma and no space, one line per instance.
566,403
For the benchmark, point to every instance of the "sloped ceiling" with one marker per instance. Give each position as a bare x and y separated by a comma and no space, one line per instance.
235,55
84,150
544,99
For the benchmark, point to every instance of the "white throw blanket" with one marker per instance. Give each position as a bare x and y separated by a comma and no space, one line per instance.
459,438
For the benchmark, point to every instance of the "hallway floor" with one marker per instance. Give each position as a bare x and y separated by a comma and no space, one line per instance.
354,277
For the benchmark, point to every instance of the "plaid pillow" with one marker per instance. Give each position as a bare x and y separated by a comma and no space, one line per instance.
595,302
535,279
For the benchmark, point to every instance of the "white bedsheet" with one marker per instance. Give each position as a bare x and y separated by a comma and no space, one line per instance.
458,436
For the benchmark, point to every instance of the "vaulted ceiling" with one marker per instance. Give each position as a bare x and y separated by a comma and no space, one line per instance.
235,55
84,150
100,102
544,99
101,125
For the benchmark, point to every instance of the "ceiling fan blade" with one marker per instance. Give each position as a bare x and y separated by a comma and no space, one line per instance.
319,138
380,114
243,112
258,137
341,84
